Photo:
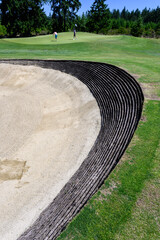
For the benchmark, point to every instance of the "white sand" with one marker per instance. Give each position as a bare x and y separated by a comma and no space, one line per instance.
48,123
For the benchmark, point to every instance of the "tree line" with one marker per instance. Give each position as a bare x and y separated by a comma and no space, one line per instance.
27,18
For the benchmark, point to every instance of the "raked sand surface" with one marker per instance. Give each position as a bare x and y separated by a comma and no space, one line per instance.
49,121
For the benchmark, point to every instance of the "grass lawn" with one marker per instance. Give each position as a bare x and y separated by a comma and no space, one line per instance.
137,55
127,205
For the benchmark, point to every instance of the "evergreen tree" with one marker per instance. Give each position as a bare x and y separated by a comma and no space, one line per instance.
98,16
145,15
132,16
157,30
156,13
137,28
81,22
22,17
115,14
3,31
64,12
137,14
124,13
115,24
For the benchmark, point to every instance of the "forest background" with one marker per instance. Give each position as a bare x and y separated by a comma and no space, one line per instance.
24,18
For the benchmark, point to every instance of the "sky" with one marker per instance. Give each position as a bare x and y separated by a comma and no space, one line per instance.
116,4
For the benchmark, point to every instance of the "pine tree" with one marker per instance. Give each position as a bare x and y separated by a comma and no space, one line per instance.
22,17
137,28
115,14
64,12
98,16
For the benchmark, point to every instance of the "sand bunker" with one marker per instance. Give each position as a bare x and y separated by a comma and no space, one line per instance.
48,123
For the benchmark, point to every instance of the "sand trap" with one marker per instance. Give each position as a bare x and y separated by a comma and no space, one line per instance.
48,123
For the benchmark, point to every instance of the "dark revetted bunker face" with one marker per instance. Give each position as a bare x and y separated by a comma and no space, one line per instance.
120,101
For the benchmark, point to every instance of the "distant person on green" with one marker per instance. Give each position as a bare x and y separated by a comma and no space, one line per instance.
56,35
74,34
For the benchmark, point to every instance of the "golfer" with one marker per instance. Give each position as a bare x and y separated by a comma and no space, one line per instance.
56,35
74,34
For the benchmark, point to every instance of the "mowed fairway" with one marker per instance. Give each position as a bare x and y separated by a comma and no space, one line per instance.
138,55
127,206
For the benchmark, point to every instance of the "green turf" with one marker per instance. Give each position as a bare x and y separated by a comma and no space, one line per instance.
127,205
137,55
145,220
109,213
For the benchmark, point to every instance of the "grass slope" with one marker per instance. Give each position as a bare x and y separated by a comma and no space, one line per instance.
127,205
114,212
137,55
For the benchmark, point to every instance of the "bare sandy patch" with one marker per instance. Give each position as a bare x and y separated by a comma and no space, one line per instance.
49,121
11,169
150,90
